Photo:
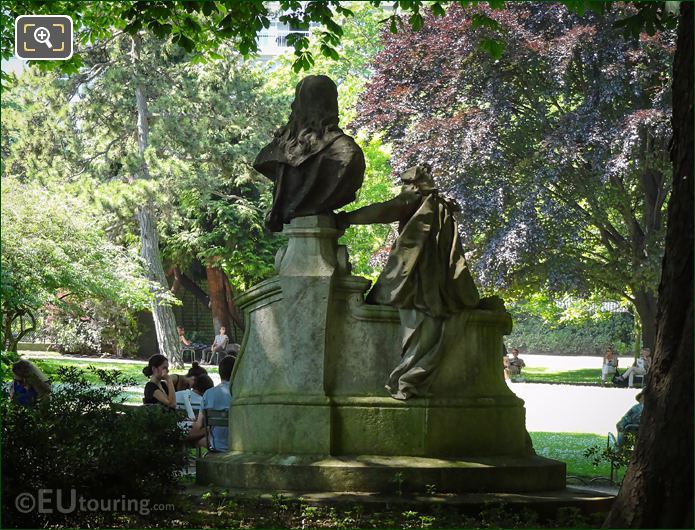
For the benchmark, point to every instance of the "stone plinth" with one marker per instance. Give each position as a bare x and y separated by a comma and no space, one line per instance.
310,410
378,474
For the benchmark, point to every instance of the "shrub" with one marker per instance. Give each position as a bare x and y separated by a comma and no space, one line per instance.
91,327
84,439
543,327
617,456
7,359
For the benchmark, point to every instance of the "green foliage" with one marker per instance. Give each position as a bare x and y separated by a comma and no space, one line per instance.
571,448
207,122
7,359
617,456
54,368
368,243
359,43
202,27
573,337
204,168
218,508
97,326
81,439
55,252
38,133
584,376
546,143
542,325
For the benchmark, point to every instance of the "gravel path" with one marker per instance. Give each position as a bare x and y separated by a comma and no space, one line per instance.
569,408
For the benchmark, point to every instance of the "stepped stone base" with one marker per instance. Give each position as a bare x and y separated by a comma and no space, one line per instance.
381,474
310,411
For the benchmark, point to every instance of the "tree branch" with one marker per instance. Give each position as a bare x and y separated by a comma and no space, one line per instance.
86,162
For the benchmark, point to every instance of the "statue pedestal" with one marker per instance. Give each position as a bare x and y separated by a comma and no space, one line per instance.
310,411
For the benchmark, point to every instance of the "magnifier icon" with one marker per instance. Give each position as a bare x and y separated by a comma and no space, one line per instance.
42,35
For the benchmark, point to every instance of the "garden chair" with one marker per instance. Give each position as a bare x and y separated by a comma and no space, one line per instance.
638,380
611,443
190,352
232,350
215,418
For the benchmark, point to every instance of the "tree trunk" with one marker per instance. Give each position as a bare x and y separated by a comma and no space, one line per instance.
221,302
162,314
658,488
9,339
184,281
645,305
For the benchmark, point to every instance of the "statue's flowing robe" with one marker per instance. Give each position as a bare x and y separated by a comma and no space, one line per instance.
427,279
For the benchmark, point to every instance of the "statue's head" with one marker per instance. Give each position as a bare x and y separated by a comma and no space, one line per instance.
419,176
315,104
313,121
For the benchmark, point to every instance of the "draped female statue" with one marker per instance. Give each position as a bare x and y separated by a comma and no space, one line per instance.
425,277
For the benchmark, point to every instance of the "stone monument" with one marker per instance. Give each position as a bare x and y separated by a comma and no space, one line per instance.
310,409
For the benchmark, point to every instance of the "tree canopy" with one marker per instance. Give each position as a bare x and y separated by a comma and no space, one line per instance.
556,150
55,251
201,27
659,490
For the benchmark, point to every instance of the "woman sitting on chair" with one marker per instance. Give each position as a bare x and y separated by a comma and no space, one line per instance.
610,365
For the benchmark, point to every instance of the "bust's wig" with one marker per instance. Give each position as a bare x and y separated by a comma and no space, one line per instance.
313,122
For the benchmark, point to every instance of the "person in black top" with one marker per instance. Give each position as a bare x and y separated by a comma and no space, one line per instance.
160,388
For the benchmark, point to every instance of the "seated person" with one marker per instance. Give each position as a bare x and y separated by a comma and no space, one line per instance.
217,398
185,343
159,390
641,367
630,421
505,365
194,432
515,363
219,346
183,385
29,384
610,365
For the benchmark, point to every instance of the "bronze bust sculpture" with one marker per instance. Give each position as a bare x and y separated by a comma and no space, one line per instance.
315,166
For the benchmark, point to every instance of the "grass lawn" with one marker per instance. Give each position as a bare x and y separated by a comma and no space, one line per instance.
543,375
131,370
569,448
50,368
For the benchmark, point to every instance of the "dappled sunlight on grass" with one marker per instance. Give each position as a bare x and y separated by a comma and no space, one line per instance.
569,448
583,376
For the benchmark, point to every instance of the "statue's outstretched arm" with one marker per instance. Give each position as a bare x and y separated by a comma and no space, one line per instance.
397,209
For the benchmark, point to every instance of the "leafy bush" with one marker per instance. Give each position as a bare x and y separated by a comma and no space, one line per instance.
616,456
60,257
93,327
84,439
540,325
7,359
